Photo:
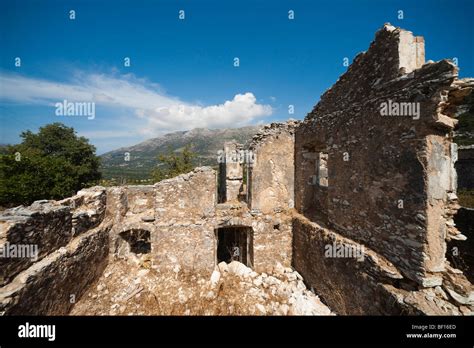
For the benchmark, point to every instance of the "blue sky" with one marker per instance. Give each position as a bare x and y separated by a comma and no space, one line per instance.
182,72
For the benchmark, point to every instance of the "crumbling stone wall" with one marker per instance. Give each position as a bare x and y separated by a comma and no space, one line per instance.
183,229
184,234
175,213
179,217
130,208
188,197
231,172
391,180
44,226
272,233
53,285
71,238
88,207
271,175
369,155
359,198
368,283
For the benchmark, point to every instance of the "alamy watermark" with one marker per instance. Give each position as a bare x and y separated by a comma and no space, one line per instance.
236,156
29,251
339,250
28,330
393,108
67,108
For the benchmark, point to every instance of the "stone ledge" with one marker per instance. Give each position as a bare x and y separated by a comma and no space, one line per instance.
46,287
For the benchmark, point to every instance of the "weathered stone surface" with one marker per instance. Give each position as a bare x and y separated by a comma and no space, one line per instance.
231,171
393,194
46,287
126,289
183,236
378,185
349,286
186,197
359,201
140,199
88,208
271,176
44,226
458,287
189,247
272,234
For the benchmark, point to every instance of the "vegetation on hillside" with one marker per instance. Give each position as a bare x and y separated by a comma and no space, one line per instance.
174,163
51,164
144,157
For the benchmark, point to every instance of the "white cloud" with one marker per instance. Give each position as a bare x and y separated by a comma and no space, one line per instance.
241,110
124,91
155,111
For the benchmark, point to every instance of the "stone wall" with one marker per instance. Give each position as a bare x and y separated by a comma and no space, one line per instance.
368,284
389,176
231,172
359,198
175,222
71,239
42,226
188,197
272,233
171,216
391,181
184,234
350,284
271,175
129,208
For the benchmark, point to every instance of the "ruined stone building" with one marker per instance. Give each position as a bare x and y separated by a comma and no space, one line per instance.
347,179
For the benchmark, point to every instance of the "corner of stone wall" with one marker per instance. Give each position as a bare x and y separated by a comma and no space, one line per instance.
395,195
67,240
184,230
271,175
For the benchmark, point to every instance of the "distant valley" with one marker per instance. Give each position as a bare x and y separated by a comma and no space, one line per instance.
143,156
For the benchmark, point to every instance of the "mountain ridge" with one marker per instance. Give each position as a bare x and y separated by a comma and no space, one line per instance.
143,156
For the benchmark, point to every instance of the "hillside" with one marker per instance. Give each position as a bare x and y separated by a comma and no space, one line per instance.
143,156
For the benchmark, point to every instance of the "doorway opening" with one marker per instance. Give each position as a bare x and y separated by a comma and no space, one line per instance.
138,240
235,244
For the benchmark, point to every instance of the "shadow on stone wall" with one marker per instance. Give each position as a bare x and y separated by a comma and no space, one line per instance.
461,252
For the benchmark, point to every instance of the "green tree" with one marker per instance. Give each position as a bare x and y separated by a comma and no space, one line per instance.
174,163
52,164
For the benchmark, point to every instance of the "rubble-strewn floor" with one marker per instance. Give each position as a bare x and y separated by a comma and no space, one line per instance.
234,289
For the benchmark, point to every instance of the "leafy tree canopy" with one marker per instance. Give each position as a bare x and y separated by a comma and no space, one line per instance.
174,163
51,164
